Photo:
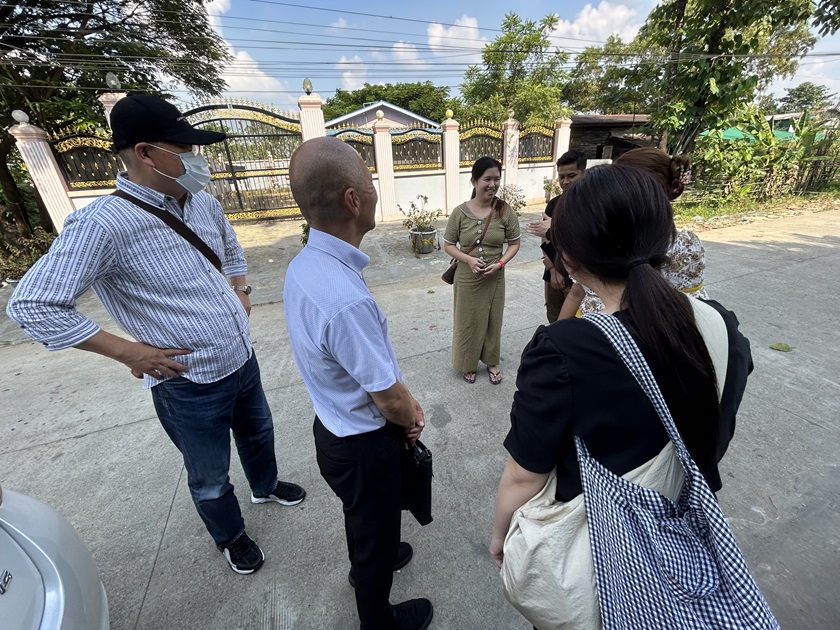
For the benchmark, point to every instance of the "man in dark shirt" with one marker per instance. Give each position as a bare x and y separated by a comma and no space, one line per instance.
570,167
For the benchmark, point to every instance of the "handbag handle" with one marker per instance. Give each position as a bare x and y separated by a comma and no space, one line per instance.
179,226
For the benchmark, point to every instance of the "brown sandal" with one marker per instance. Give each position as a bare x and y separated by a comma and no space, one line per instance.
469,377
495,377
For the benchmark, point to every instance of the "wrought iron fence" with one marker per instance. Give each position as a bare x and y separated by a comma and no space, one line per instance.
250,166
416,149
536,144
361,139
86,159
480,138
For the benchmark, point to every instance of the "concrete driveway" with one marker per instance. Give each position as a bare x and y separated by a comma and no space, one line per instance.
79,433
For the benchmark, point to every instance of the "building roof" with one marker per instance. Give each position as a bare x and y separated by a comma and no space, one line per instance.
610,119
380,105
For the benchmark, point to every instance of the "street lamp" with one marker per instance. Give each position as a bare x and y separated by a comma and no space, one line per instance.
112,81
307,86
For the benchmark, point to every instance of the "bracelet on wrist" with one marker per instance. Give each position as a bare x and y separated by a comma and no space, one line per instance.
501,263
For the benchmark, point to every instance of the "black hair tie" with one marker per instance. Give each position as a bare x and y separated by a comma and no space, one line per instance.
636,263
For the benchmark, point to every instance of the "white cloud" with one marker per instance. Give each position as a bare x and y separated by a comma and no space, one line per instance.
243,75
464,34
407,53
355,72
339,23
598,23
246,80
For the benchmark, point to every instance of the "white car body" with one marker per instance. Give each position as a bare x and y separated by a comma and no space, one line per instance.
48,579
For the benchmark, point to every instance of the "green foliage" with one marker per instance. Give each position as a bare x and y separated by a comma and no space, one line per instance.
756,166
55,54
304,233
418,218
615,78
51,49
827,17
16,259
722,62
513,196
423,98
520,71
806,96
767,104
551,187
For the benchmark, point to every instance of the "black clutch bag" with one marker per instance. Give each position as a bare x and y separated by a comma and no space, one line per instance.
417,482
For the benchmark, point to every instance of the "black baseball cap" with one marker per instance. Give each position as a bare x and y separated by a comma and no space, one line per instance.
146,118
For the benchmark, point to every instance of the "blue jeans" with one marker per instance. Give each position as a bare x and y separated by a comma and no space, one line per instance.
199,419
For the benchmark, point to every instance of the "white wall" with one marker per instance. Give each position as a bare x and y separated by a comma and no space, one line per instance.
81,198
531,179
429,183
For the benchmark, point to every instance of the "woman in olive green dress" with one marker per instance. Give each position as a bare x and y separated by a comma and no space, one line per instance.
480,275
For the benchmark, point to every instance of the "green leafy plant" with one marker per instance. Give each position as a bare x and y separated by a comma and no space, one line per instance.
513,196
418,218
16,259
551,187
304,233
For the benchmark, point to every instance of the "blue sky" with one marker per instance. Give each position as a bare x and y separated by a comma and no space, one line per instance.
338,44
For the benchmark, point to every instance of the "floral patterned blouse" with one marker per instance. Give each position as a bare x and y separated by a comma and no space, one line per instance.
684,269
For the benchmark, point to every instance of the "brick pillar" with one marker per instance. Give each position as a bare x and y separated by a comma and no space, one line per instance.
384,166
562,134
510,150
311,117
108,100
451,161
44,170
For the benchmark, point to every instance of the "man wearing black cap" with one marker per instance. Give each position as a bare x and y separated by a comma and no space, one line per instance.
166,265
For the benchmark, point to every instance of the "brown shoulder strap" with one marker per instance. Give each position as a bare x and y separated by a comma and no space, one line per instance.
481,238
179,226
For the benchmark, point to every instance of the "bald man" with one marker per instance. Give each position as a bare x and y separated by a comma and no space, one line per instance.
364,414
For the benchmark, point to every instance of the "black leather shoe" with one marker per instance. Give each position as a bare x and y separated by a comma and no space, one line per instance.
415,614
404,555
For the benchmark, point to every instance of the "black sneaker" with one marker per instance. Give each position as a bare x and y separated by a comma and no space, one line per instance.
243,555
404,555
415,614
284,493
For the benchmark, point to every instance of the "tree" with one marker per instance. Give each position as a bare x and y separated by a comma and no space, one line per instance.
827,17
614,78
423,98
520,71
719,64
806,96
767,104
54,56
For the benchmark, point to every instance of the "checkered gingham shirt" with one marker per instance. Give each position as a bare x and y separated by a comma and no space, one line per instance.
659,564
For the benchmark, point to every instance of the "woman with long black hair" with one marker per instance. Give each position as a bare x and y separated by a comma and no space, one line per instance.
613,228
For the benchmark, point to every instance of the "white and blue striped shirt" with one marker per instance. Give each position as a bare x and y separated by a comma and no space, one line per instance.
157,287
339,335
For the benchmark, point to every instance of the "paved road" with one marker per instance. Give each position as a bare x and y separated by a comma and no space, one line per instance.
78,432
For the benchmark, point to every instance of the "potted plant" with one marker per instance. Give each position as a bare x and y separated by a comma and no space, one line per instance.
421,224
551,188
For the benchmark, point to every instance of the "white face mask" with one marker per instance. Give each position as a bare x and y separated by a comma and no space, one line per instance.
196,170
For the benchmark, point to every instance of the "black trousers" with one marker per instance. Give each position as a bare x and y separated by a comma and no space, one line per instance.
364,472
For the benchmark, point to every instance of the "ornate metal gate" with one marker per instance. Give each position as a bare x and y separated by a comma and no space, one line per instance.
250,168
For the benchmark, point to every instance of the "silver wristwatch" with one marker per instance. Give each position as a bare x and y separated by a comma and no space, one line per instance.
245,288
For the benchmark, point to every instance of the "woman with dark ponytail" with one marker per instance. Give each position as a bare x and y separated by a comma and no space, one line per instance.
685,266
613,228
